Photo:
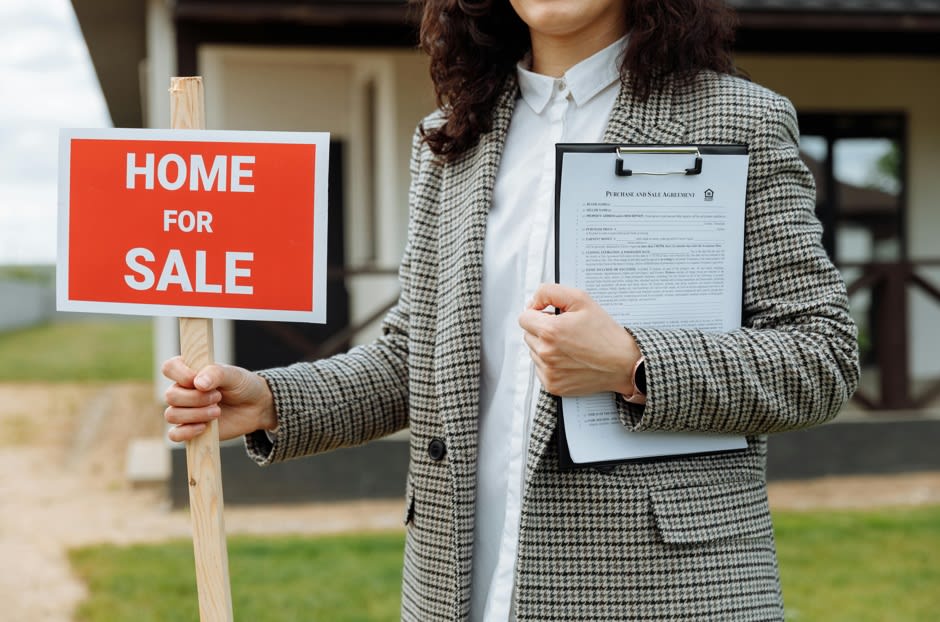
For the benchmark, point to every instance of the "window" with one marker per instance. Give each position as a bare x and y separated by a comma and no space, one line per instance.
858,163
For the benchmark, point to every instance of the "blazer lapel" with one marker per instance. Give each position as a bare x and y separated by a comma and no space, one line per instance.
466,198
467,193
632,122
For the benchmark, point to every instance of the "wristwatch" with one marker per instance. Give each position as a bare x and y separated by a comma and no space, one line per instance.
639,375
639,383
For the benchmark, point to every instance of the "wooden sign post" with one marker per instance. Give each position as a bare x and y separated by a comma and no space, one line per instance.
204,466
195,224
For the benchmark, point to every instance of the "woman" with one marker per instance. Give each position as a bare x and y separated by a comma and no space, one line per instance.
496,531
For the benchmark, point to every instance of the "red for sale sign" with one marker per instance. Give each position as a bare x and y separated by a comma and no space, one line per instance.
193,223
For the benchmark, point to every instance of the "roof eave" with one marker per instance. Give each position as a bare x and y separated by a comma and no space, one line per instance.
115,33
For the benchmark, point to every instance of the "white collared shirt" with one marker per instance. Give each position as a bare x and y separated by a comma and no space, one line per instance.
519,256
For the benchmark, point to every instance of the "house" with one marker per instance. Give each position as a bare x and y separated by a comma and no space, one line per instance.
864,77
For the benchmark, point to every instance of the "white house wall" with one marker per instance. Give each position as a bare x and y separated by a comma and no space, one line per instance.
264,88
159,67
872,84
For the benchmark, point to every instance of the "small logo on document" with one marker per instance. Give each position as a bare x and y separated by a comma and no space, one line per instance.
709,195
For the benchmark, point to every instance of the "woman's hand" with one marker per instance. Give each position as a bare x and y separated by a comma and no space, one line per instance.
241,400
582,350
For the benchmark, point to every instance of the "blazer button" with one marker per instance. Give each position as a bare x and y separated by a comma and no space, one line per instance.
437,449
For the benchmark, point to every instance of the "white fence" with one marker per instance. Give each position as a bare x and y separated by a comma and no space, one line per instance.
25,304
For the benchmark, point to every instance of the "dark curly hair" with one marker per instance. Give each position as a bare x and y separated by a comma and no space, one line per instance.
475,44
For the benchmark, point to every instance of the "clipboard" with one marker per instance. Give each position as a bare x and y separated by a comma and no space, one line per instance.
633,174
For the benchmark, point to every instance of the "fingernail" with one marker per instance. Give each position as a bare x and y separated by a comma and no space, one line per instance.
201,382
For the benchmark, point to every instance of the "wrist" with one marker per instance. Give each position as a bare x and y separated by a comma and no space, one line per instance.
268,417
634,378
627,355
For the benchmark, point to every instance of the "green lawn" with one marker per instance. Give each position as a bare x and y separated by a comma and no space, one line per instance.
341,579
836,566
78,351
881,566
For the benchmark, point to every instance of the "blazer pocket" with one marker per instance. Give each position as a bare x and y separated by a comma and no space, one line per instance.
705,513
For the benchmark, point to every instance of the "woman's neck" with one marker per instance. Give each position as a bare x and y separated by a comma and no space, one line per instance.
554,55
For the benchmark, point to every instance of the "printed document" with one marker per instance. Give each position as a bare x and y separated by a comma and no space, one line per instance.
661,251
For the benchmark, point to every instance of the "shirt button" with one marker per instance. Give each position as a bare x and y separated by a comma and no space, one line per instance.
437,449
562,85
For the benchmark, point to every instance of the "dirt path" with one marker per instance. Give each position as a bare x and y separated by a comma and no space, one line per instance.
62,453
62,458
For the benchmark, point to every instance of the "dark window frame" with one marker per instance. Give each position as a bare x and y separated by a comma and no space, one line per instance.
833,126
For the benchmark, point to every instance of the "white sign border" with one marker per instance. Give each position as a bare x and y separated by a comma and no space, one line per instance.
321,141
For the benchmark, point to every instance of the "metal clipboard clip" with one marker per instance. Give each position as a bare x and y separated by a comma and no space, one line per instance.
626,172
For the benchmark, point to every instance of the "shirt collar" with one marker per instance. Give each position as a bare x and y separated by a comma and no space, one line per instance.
583,81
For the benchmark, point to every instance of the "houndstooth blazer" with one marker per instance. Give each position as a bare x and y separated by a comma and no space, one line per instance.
686,538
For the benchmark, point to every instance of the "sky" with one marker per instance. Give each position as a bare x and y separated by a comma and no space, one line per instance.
48,82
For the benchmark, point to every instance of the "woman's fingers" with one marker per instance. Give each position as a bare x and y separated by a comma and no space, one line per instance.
189,408
181,396
558,296
208,378
536,322
177,415
182,433
548,354
178,371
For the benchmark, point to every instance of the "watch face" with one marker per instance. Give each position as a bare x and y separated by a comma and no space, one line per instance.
639,378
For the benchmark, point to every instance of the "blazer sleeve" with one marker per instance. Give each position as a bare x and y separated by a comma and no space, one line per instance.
348,399
794,363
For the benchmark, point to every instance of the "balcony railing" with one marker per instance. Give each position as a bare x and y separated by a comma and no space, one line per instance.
889,329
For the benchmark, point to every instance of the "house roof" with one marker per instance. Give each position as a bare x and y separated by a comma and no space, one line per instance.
114,33
841,6
321,12
890,16
398,10
756,16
